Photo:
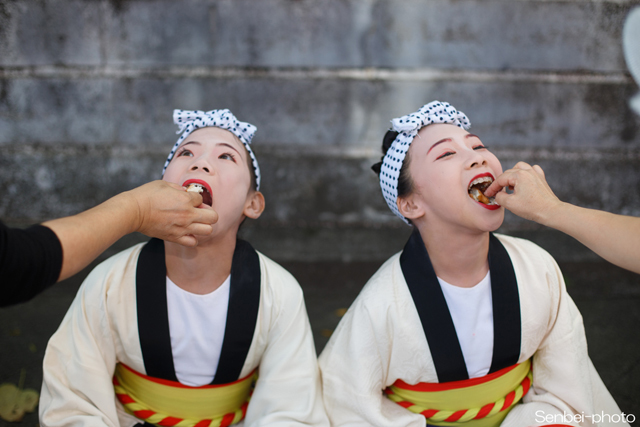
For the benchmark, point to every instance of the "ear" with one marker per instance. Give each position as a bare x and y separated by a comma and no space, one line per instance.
254,206
409,208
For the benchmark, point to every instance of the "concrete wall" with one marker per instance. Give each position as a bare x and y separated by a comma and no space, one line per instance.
87,90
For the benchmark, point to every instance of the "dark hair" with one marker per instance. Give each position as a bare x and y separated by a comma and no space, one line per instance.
405,184
252,172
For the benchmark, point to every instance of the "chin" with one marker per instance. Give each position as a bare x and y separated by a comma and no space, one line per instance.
496,222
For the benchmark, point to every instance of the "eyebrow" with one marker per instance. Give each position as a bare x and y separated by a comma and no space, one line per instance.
439,142
228,145
190,142
218,144
469,135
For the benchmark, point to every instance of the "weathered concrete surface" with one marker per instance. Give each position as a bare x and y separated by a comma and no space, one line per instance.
312,113
87,89
318,207
468,34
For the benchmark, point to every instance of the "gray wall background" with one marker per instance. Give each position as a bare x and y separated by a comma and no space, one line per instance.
87,90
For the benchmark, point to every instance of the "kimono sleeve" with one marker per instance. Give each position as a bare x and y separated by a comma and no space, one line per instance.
355,364
288,390
566,388
80,361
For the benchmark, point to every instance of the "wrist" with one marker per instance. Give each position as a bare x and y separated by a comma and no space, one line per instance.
553,214
130,211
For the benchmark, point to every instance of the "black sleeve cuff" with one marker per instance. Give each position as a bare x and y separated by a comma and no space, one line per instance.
30,262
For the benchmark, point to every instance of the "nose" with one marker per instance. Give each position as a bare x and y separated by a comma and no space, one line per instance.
201,163
476,159
196,167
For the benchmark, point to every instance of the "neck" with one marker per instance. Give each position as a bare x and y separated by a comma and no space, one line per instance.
458,257
201,269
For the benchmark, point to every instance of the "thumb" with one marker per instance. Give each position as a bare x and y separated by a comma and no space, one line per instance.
502,198
196,198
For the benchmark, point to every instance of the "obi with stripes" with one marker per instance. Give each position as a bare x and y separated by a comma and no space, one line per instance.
476,402
169,403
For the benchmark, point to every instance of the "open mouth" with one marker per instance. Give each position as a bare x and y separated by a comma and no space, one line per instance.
196,187
478,186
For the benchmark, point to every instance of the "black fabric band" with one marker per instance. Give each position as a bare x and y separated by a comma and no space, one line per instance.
507,323
433,311
435,317
242,315
153,317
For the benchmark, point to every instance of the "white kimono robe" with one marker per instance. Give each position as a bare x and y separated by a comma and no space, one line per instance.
114,319
381,339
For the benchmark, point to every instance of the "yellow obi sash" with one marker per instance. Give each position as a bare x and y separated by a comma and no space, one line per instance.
476,402
169,403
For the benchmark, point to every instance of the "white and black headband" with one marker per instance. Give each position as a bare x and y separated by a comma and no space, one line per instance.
407,127
188,121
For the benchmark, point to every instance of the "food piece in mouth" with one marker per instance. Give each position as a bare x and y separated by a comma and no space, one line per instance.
477,188
199,188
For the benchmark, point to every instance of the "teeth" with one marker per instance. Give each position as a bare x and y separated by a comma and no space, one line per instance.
195,188
480,180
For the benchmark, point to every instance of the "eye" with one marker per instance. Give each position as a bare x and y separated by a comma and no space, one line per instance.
447,154
227,156
184,152
480,147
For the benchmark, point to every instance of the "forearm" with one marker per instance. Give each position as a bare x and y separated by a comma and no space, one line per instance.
615,238
86,235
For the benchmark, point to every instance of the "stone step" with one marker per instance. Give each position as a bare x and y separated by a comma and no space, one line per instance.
466,34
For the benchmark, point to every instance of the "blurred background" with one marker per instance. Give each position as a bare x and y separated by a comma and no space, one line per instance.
87,90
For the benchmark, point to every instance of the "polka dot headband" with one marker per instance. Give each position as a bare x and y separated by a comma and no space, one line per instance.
407,128
188,121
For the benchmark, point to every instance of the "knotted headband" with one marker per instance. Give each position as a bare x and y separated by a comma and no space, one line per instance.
407,128
188,121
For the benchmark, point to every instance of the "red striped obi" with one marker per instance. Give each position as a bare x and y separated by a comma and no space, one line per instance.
169,403
476,402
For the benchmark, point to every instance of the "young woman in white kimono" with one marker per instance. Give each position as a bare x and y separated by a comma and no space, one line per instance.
462,323
212,335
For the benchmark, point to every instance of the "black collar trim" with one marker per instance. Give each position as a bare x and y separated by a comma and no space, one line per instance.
436,319
153,318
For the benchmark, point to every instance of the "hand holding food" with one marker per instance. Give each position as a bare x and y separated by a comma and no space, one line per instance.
532,198
170,213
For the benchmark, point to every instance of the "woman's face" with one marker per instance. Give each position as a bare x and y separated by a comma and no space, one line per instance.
444,161
217,160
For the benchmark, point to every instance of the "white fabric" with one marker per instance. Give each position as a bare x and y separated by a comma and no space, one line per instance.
190,120
631,43
472,314
100,330
408,127
380,340
196,325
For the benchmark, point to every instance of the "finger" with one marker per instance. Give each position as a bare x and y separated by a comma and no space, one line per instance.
199,229
506,179
206,215
174,185
522,165
502,198
196,198
493,189
539,170
186,240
